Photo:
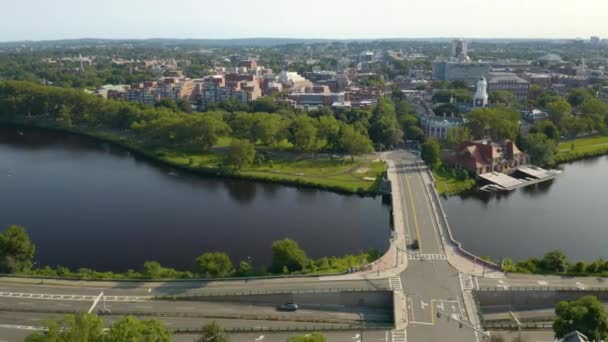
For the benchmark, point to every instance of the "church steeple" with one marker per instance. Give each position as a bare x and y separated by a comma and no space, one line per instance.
481,95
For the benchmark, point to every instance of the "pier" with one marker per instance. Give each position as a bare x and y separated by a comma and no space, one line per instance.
503,182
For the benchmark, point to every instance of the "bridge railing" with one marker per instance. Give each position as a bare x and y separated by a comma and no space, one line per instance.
442,221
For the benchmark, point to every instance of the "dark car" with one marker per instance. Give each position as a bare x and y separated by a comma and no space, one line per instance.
415,245
288,307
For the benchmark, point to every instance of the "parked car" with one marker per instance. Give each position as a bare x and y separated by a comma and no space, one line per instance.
288,307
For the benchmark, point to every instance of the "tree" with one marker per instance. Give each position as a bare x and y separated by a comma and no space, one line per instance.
431,150
240,154
329,131
576,97
353,142
169,104
540,148
84,327
286,254
586,315
213,332
496,123
152,270
554,262
16,250
132,329
305,134
384,127
502,97
65,114
314,337
89,328
558,111
184,105
457,135
214,265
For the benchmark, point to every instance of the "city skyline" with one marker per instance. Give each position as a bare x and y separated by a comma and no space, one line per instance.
383,19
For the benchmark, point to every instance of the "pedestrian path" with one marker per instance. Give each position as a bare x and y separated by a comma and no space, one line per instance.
418,256
395,283
399,336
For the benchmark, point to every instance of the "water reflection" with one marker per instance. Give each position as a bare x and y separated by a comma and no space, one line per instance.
92,204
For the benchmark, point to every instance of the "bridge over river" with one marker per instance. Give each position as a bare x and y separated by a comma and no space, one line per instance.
435,292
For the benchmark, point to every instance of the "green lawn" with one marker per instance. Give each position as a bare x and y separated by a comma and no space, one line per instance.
339,173
448,185
581,148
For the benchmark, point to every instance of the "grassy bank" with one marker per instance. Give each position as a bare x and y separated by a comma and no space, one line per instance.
581,148
448,185
339,174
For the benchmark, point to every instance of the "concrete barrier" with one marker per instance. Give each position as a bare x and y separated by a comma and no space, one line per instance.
492,301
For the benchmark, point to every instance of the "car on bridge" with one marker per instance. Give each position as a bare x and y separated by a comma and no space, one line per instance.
291,307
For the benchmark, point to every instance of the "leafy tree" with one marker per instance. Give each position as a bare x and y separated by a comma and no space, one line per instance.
132,329
240,154
89,328
305,134
384,127
496,123
214,264
169,104
152,270
81,328
245,269
558,111
548,128
502,97
184,105
353,142
576,97
329,131
16,250
314,337
65,114
213,332
586,315
540,148
287,254
457,135
431,150
554,262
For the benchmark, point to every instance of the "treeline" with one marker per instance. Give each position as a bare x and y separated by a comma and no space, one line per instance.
556,263
354,132
17,253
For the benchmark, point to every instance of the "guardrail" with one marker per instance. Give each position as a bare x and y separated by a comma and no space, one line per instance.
220,293
542,288
290,329
175,280
436,203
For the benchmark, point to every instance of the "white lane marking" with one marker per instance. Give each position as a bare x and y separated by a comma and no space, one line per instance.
395,283
399,336
542,283
441,306
143,306
423,304
428,256
581,286
22,327
72,297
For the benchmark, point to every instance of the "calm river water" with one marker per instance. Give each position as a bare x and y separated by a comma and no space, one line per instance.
90,204
570,213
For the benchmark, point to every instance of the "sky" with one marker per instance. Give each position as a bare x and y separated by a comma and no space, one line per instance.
332,19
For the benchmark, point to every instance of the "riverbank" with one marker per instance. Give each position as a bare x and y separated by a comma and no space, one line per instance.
567,151
362,176
581,148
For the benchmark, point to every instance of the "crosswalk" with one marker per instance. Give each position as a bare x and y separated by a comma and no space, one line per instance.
399,336
418,256
395,283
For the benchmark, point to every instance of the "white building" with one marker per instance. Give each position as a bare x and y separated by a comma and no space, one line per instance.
481,95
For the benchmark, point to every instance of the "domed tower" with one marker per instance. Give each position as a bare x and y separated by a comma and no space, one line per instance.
481,95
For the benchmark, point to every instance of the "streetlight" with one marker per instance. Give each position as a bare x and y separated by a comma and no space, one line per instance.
362,322
261,337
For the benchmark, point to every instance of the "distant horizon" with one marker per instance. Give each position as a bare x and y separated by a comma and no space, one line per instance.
388,38
38,20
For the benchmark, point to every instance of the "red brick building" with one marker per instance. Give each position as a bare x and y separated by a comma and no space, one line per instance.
485,156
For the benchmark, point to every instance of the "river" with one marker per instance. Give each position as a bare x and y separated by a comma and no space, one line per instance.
91,204
568,213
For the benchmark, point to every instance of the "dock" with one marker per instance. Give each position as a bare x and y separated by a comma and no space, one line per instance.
503,182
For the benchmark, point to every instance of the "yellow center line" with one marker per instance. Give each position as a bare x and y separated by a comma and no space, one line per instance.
409,190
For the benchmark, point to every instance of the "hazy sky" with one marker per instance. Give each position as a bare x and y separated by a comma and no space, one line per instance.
58,19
